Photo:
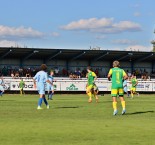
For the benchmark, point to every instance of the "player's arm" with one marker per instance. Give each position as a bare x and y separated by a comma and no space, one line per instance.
136,83
34,82
95,76
110,74
125,76
48,81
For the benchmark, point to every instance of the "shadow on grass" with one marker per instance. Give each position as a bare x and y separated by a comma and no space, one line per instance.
140,112
68,107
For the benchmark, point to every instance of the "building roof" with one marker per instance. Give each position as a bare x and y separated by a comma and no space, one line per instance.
74,54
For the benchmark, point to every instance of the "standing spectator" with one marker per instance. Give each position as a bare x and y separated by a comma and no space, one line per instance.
96,72
12,74
56,72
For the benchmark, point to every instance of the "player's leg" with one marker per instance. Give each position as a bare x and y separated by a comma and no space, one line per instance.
126,91
51,93
20,91
121,96
48,92
23,91
136,92
96,95
89,93
2,90
40,101
132,92
45,101
114,93
41,91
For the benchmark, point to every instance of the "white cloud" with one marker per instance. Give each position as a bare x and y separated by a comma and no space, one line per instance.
55,34
138,48
87,24
103,25
6,43
124,42
19,32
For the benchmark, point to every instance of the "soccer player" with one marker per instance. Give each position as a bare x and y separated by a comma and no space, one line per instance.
117,75
125,87
1,86
90,83
134,83
39,81
50,87
21,86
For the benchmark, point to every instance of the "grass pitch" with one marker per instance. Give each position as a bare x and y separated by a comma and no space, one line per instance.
73,121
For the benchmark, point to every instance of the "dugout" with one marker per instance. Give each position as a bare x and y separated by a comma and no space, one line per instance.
72,59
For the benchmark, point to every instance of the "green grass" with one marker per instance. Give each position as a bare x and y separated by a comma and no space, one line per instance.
73,121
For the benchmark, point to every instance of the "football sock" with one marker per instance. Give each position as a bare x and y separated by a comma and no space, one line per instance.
1,93
123,104
40,101
20,91
45,101
128,93
132,95
114,105
50,95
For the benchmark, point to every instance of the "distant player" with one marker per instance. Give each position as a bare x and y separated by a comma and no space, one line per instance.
39,82
21,86
117,75
50,88
90,83
134,83
1,86
95,92
125,87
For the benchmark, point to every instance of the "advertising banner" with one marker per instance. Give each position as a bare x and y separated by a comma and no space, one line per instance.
78,85
73,86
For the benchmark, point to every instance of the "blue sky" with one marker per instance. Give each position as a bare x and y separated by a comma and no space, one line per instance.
78,24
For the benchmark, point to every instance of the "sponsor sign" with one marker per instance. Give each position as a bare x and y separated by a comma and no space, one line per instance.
28,86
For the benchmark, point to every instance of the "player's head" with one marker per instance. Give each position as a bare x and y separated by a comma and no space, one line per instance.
43,67
116,63
51,72
89,69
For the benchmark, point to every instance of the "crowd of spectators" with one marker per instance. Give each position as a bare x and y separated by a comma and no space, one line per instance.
29,72
141,74
18,72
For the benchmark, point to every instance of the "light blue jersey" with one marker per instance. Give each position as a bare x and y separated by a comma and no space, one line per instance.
125,86
49,86
41,78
